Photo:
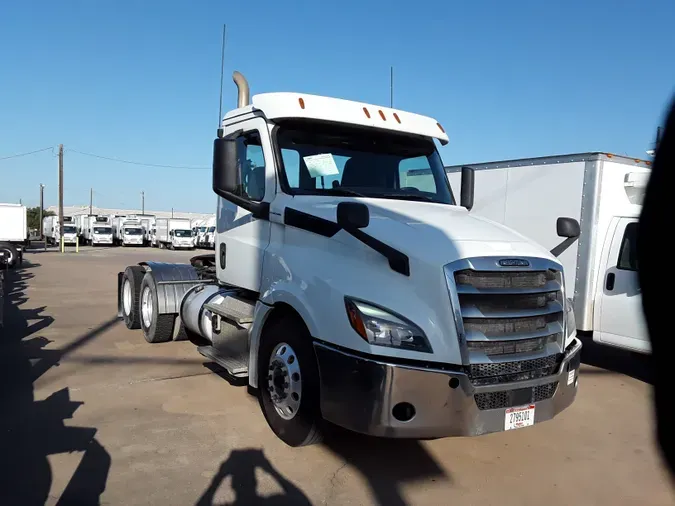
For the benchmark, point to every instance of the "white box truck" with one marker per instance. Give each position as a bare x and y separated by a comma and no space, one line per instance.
13,233
174,233
52,232
131,233
98,231
343,295
604,193
209,240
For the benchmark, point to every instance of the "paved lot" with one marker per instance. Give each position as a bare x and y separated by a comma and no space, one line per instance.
91,412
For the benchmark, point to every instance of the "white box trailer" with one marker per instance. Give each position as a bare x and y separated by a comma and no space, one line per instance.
174,233
13,233
603,192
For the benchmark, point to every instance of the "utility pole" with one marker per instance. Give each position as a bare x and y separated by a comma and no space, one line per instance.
20,201
61,194
142,202
42,206
391,87
172,212
91,200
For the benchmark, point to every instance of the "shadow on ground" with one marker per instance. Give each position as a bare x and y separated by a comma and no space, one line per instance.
30,430
615,360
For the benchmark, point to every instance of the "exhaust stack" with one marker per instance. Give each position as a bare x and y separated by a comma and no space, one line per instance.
243,92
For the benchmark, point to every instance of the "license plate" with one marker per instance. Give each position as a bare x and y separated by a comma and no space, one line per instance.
519,417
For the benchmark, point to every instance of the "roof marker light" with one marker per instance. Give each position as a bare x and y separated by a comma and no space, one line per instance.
382,115
440,127
397,118
301,102
367,113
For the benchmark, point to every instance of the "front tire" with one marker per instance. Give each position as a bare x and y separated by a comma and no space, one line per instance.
131,295
157,328
12,254
288,382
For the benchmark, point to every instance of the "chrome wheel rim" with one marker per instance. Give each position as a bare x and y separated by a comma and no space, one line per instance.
126,298
146,307
284,381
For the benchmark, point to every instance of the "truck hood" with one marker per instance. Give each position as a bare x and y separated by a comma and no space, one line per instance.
435,233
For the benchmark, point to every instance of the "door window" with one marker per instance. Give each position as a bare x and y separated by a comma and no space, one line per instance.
628,251
252,166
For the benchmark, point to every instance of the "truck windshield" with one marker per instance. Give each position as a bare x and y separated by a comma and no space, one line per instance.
133,231
69,229
321,158
102,230
183,233
212,229
202,229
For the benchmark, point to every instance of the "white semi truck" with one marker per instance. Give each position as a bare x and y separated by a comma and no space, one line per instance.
13,233
174,233
344,294
52,232
604,193
98,231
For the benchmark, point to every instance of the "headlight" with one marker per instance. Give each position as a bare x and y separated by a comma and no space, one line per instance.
570,322
382,328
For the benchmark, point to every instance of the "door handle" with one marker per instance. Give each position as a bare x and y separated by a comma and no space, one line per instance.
609,283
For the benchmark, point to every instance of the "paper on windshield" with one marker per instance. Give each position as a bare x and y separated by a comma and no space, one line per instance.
321,165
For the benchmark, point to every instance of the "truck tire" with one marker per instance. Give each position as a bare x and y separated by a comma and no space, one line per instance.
12,254
157,328
288,382
131,296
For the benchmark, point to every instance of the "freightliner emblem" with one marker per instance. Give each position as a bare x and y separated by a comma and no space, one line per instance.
514,262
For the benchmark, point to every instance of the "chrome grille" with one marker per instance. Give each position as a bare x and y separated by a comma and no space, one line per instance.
511,398
507,372
508,318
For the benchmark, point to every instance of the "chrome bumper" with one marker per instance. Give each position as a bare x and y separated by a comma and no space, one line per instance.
360,394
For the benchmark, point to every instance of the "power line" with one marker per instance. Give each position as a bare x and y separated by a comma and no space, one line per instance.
26,154
119,160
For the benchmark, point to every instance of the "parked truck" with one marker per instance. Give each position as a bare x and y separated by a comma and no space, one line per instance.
345,294
174,233
13,233
52,232
209,240
127,231
604,193
98,231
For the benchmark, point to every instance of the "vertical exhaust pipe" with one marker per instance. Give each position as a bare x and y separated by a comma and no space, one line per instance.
243,92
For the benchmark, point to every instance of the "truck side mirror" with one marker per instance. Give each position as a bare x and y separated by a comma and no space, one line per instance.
567,227
467,188
226,174
352,215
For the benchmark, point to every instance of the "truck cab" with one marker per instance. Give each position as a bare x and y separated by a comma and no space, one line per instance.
348,290
69,233
101,234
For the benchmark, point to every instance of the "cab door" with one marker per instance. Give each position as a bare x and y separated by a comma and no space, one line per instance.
242,238
618,318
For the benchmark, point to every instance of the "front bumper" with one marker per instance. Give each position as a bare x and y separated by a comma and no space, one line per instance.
360,394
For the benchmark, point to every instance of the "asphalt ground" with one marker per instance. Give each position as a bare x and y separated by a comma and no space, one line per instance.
92,414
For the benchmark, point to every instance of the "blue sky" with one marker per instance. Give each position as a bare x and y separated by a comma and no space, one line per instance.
140,81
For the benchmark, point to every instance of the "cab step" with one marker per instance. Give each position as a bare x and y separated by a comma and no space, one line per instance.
235,309
233,359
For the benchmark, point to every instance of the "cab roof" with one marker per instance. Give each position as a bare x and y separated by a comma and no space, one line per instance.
302,105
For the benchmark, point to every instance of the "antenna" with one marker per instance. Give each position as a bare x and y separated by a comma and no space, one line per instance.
391,87
222,71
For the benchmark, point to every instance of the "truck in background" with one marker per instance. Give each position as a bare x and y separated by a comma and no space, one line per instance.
52,233
198,228
209,240
13,233
343,293
131,233
604,193
98,231
174,233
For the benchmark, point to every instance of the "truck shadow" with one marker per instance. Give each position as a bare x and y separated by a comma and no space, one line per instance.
386,464
607,359
30,429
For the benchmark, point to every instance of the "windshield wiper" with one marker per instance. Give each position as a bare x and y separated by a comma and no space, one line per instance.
343,191
408,196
